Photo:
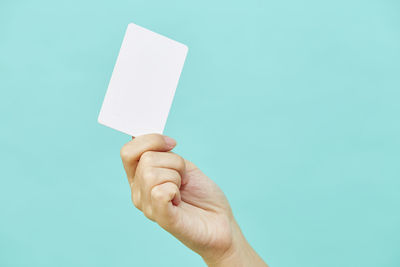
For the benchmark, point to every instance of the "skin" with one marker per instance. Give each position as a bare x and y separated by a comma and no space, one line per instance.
174,193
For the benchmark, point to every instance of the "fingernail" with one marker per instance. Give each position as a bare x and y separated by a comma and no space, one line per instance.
169,141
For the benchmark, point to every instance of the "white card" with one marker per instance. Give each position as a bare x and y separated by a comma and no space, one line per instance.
143,82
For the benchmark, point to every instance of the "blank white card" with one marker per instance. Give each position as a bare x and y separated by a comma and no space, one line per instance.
143,82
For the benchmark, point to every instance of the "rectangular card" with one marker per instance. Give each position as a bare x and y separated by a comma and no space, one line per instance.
143,82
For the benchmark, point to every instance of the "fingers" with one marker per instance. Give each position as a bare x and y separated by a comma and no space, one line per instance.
162,160
155,168
132,151
164,198
147,177
159,202
153,177
155,187
158,176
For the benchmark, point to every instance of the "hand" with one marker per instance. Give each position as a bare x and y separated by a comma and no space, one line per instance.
174,193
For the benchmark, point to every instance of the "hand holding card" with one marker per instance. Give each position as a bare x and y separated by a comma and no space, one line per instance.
143,83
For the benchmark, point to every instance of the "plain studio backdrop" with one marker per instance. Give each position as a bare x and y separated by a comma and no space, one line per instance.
292,107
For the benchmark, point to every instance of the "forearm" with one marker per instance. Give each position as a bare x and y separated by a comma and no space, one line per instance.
240,255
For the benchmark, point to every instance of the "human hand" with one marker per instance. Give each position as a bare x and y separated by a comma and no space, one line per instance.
174,193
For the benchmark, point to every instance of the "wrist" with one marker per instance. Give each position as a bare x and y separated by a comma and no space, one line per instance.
240,253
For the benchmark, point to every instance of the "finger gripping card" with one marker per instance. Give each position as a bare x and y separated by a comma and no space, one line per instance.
143,82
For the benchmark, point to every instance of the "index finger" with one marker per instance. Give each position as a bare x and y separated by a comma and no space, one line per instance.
131,151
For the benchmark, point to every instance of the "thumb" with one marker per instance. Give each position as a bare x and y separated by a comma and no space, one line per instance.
133,150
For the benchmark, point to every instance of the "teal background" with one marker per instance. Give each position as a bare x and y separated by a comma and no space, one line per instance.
292,107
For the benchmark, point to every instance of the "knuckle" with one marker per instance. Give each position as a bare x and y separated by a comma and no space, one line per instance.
136,200
181,163
147,157
148,212
178,179
125,153
157,194
149,174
